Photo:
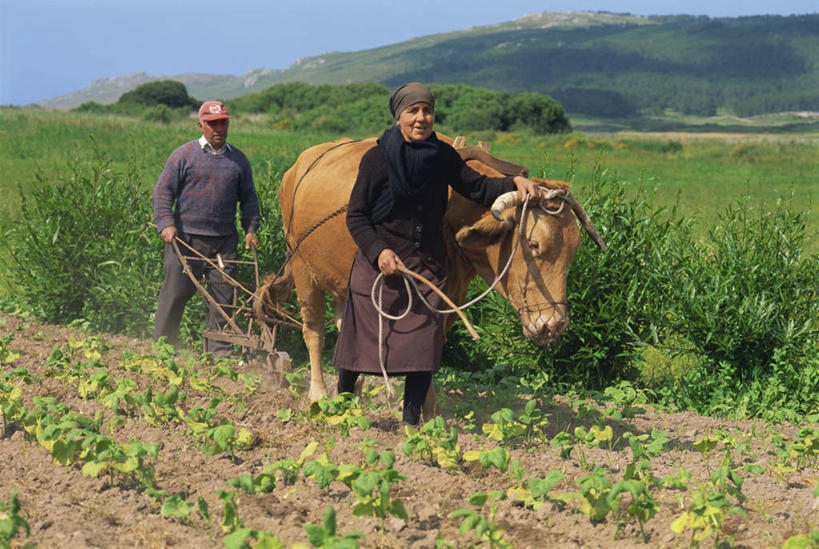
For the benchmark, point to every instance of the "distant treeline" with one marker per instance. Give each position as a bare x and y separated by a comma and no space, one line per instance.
353,107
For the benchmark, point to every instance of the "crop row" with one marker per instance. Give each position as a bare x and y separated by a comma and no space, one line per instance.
630,497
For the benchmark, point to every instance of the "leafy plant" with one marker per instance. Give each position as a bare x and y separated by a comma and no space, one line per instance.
11,522
290,468
325,537
341,411
528,427
434,442
498,457
373,487
485,529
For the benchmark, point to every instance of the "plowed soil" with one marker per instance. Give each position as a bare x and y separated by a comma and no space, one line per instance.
66,509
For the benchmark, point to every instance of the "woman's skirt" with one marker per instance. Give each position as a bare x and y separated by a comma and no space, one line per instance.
411,344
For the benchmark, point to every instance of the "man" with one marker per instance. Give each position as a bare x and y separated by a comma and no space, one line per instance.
195,200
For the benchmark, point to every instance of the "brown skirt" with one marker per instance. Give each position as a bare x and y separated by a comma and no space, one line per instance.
412,344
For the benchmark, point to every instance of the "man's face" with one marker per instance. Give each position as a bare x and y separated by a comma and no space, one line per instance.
215,132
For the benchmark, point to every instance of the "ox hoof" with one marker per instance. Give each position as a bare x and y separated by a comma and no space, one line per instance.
315,394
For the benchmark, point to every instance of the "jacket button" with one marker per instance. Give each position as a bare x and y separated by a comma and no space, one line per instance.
430,259
419,228
417,244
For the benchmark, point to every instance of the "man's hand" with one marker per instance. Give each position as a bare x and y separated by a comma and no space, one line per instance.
250,240
168,234
388,262
527,187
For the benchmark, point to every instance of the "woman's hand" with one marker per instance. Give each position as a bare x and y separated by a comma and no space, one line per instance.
527,187
388,262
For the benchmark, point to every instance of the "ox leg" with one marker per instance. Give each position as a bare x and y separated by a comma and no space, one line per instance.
430,409
338,311
311,302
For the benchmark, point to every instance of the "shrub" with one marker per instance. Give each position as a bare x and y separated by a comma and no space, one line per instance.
726,326
747,300
170,93
81,248
158,113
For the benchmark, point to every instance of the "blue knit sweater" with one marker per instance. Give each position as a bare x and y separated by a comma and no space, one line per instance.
198,192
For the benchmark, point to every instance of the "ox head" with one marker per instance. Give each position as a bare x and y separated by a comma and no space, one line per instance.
543,247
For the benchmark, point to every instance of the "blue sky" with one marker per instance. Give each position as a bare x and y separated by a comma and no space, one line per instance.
52,47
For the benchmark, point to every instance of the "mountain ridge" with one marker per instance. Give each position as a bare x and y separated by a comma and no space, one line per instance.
593,62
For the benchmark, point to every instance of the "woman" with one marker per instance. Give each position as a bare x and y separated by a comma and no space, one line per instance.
394,215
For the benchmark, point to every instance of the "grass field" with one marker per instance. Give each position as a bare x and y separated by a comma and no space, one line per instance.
704,172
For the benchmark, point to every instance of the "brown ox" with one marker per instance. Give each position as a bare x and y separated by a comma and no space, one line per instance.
313,196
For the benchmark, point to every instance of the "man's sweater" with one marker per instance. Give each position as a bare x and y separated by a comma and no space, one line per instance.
198,192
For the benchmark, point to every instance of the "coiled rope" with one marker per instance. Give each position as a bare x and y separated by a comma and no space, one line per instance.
410,284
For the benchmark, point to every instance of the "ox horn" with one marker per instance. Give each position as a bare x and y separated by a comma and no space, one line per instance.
504,202
586,221
512,200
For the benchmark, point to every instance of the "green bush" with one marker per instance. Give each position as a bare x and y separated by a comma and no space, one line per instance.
81,248
170,93
748,301
726,326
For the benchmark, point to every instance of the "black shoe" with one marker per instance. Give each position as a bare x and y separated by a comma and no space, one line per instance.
411,416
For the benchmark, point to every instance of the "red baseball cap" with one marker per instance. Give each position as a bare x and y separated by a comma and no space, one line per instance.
212,110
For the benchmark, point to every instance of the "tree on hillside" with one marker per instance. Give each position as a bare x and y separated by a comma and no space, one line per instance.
539,112
162,92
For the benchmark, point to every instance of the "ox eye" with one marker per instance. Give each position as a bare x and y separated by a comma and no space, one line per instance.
535,247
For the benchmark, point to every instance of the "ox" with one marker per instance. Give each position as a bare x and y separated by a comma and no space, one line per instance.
313,196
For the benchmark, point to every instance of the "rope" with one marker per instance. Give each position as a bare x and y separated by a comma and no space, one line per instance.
409,281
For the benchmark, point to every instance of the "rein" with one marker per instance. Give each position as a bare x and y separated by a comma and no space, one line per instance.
410,284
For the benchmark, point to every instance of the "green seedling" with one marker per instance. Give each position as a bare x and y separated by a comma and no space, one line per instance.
103,454
11,523
7,356
498,457
325,537
802,541
96,383
230,512
342,411
175,507
484,529
23,375
321,470
433,443
122,392
261,539
592,437
11,406
289,468
534,492
710,505
565,442
527,428
642,507
373,487
261,483
627,401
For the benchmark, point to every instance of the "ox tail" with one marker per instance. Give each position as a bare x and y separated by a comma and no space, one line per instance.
274,290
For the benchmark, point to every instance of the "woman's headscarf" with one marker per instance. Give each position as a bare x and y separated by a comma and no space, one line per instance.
409,94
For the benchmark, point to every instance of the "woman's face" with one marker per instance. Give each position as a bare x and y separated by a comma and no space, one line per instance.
415,122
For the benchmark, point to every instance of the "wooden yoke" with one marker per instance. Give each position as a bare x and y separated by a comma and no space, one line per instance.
481,153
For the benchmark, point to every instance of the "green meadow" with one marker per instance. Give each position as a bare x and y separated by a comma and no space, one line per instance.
699,173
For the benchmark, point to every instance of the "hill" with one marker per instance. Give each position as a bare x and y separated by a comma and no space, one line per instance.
599,64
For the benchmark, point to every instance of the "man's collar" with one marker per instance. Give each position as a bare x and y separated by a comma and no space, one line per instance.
207,147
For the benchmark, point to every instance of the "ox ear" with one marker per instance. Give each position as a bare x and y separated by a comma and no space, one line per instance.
486,231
